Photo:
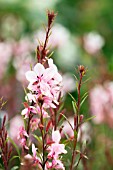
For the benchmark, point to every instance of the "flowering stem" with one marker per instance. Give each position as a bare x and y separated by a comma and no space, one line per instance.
76,122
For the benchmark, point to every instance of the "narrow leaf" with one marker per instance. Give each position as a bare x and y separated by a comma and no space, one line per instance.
75,108
90,118
67,121
83,100
14,144
14,157
72,97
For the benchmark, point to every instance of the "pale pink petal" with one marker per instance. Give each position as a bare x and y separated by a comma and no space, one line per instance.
30,97
39,69
34,150
56,136
24,112
31,76
50,62
49,74
58,77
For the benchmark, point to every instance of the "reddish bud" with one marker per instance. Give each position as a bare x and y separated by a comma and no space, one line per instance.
82,70
41,126
81,118
51,17
25,104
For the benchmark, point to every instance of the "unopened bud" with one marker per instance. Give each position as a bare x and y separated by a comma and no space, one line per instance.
51,17
82,70
81,118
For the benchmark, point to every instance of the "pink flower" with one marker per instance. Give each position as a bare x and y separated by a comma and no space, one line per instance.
70,86
34,123
27,111
93,42
35,158
45,82
22,133
101,103
15,123
22,136
57,164
56,148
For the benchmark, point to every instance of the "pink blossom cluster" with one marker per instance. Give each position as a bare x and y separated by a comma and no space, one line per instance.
54,152
45,85
101,103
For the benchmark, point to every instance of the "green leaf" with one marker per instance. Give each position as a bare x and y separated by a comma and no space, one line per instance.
90,118
14,144
67,120
75,108
72,97
75,78
83,100
85,94
38,139
75,134
61,108
14,157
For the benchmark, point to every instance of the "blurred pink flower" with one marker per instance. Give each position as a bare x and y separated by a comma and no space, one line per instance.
69,84
59,36
101,103
15,124
23,47
93,42
22,65
84,133
22,134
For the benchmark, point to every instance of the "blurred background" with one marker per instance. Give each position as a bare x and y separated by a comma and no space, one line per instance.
82,34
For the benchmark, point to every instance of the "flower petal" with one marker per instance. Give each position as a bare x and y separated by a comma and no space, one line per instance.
56,136
39,69
31,76
49,74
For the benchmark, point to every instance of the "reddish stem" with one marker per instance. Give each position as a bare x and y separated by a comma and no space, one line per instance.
77,121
